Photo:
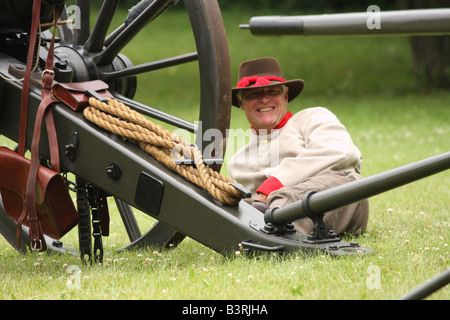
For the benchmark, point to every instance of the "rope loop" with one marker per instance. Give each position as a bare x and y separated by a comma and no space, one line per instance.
163,145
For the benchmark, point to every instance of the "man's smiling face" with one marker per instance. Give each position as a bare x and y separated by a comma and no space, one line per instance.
265,107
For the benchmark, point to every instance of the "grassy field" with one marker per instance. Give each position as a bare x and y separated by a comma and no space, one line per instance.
369,84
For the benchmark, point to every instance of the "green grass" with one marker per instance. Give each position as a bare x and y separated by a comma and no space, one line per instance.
369,85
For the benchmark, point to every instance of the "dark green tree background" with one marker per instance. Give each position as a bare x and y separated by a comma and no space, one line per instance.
430,53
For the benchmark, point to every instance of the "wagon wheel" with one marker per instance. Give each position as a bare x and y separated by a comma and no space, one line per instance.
96,55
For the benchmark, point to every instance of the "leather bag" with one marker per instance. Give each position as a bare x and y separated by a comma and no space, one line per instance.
54,206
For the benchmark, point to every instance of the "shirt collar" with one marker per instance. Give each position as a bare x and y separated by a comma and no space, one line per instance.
281,124
284,120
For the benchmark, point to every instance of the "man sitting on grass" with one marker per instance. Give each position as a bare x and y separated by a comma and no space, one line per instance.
290,155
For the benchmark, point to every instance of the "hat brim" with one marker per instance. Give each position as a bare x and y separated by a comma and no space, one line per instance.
295,88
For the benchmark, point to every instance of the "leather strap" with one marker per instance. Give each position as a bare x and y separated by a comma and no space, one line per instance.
35,229
44,112
26,82
47,98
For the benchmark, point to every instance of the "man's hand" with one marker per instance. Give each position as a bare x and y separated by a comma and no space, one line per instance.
261,197
260,203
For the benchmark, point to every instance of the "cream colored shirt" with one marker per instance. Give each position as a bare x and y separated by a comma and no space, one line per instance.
313,141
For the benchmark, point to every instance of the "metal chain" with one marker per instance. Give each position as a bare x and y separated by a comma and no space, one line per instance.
93,196
84,224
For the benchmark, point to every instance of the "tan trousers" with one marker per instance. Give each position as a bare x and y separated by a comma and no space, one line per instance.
351,219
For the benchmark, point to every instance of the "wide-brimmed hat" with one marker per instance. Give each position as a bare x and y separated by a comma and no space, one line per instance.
264,72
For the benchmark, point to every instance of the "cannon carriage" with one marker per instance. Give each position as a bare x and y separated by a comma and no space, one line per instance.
105,164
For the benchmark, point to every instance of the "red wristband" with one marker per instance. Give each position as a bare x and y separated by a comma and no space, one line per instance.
269,185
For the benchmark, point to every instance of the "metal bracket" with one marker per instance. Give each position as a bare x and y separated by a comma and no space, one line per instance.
72,147
271,228
246,193
248,247
113,171
320,233
99,97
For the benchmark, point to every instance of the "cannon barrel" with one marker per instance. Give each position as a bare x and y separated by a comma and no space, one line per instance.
429,287
336,197
402,22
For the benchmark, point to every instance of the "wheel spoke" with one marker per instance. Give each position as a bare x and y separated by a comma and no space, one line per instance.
129,220
130,31
150,66
156,114
96,40
114,34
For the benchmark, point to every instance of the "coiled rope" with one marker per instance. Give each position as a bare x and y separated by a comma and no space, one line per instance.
163,145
